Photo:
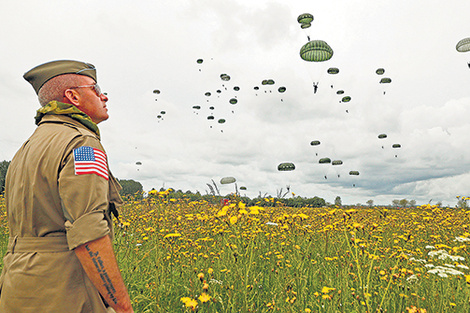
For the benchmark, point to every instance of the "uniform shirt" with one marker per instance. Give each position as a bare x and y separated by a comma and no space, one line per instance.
47,197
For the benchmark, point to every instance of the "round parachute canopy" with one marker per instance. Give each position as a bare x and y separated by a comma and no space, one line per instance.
305,25
346,99
270,82
337,162
138,163
228,180
256,88
242,188
340,92
224,77
385,80
159,116
196,107
353,173
463,45
324,160
199,61
382,136
380,71
315,143
264,82
156,91
236,88
233,101
281,89
162,112
210,117
219,91
305,18
333,70
211,108
287,166
396,145
316,51
207,94
221,121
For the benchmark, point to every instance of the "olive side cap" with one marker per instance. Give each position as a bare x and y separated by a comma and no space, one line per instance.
40,74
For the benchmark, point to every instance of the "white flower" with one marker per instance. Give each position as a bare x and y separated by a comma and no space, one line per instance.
462,266
429,265
441,274
272,224
461,239
449,265
430,247
418,260
412,279
443,271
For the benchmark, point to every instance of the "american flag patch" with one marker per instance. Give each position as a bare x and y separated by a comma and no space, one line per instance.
89,160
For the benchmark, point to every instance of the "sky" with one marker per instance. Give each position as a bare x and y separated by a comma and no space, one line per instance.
142,46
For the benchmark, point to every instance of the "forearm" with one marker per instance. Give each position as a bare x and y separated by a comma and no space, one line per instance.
99,262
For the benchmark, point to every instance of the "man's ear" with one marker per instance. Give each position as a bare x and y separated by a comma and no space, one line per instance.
72,96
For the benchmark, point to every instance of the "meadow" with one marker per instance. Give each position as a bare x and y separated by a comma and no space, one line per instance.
178,255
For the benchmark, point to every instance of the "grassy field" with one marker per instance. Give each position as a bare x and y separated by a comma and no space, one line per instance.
182,256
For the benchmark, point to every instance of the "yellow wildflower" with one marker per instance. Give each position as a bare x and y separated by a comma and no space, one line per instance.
204,297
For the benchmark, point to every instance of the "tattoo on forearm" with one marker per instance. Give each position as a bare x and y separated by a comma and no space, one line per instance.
98,262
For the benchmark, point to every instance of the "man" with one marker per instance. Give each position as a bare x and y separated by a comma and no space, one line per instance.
59,197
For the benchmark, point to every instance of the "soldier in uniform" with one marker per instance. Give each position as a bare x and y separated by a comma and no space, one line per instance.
59,196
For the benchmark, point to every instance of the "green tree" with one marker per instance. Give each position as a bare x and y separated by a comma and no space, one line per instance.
370,202
130,187
338,201
3,172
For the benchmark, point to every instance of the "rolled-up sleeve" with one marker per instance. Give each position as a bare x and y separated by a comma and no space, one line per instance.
84,198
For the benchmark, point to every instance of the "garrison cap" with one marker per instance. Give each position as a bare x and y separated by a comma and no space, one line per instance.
39,75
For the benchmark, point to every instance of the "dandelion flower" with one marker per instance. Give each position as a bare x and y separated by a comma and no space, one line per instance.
204,297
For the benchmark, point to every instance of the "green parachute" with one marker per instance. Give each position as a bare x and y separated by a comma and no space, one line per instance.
224,77
337,162
305,18
210,117
242,188
221,121
227,180
281,89
340,92
287,166
156,91
385,80
233,101
138,163
382,136
316,51
346,99
353,173
199,61
196,107
380,71
396,145
333,70
324,160
315,142
463,45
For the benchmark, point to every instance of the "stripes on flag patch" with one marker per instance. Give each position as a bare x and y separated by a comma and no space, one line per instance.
89,160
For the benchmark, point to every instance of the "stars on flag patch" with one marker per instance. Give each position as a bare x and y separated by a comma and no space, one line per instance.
89,160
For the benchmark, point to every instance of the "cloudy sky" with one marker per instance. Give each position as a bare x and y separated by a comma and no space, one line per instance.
142,46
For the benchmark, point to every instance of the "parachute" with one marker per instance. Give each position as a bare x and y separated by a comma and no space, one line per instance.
224,77
324,160
463,45
396,145
211,108
156,91
236,88
385,80
340,92
233,101
210,117
227,180
256,88
380,71
305,18
316,51
199,61
196,107
353,173
333,70
162,112
242,188
207,94
221,121
281,89
270,82
337,162
346,99
138,163
382,136
287,166
315,143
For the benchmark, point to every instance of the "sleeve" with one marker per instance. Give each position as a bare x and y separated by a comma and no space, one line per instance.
84,191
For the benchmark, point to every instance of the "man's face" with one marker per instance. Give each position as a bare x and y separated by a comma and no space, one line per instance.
92,104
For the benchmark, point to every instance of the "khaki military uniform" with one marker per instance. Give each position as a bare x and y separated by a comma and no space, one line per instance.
51,211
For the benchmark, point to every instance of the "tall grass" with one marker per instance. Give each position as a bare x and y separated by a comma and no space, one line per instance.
178,256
